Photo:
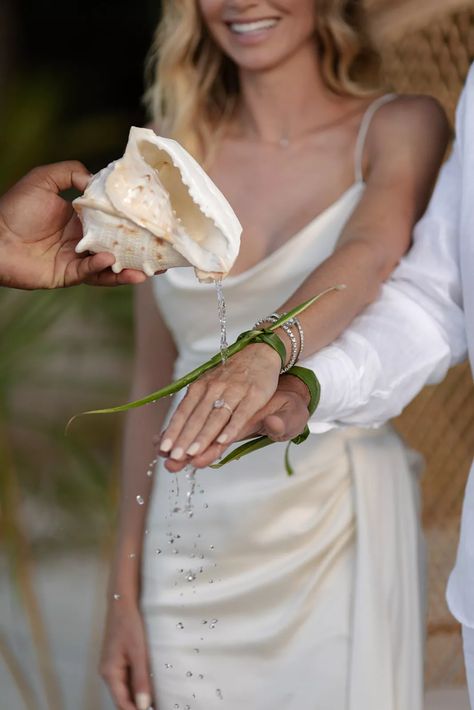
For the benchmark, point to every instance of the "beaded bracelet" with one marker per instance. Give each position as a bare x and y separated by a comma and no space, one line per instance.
295,352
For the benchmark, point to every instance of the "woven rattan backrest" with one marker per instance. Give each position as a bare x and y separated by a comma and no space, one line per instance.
427,47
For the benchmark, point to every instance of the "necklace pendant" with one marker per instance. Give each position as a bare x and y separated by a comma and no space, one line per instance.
284,142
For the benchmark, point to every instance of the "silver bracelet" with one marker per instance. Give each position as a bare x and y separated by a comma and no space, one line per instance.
295,352
296,321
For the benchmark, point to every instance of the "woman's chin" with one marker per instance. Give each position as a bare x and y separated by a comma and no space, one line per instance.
258,60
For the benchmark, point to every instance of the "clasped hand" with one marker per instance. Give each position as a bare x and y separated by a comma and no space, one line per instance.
39,231
257,401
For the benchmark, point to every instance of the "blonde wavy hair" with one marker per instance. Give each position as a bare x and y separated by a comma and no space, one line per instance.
193,86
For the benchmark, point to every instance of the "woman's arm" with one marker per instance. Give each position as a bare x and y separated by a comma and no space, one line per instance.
124,654
405,147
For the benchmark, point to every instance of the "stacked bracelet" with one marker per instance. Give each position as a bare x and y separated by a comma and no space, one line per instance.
295,321
295,351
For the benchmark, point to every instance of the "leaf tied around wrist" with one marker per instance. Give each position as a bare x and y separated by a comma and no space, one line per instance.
273,340
264,335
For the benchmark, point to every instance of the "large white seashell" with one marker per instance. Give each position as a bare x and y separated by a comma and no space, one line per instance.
155,208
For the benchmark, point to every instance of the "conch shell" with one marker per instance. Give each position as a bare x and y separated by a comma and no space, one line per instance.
155,208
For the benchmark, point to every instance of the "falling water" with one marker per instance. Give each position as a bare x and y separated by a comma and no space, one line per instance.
221,310
191,476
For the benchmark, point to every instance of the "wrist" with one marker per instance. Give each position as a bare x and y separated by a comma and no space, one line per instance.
266,351
291,345
294,384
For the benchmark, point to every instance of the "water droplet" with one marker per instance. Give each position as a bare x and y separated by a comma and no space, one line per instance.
206,505
132,555
168,666
196,650
187,707
177,509
219,694
175,552
211,547
149,473
146,532
158,551
176,706
140,500
204,621
191,577
200,676
180,625
211,581
188,674
116,597
171,540
214,621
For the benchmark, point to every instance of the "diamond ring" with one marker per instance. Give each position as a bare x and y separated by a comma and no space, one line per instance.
222,404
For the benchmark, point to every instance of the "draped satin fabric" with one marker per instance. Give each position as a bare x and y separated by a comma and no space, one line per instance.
307,590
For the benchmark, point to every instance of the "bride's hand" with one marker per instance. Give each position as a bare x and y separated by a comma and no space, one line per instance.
284,417
241,388
124,663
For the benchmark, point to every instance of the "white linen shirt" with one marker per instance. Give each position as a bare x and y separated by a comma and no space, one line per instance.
422,324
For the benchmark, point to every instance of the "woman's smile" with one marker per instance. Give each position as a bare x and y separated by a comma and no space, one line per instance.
252,31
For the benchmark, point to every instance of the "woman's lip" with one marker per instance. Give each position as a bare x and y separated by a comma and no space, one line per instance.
260,21
254,35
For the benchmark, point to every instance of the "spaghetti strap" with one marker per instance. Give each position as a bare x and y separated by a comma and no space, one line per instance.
363,131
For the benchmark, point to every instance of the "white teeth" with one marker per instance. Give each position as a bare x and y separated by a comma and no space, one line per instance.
244,27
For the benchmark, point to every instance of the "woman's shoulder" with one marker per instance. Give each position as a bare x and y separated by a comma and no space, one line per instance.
408,125
411,115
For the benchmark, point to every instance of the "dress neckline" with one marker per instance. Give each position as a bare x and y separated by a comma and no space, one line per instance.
291,241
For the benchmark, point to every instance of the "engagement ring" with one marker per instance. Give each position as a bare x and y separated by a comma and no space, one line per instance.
222,404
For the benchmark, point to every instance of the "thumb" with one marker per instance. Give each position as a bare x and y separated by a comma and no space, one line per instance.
141,684
60,176
276,426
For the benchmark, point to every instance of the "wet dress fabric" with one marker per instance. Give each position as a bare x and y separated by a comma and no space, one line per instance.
299,593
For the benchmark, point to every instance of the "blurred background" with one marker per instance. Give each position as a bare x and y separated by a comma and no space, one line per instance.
71,80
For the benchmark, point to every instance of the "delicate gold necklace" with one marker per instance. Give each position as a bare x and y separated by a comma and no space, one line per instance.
285,141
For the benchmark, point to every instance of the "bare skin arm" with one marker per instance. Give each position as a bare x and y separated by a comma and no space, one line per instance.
404,151
124,660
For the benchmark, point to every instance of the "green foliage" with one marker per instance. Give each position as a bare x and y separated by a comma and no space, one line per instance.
57,350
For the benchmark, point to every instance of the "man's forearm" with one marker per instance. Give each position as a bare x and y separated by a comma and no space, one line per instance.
380,363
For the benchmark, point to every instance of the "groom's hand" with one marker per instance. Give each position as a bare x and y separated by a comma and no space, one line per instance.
284,417
39,231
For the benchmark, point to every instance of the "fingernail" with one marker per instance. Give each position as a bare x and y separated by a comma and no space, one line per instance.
166,445
193,449
177,453
142,701
222,439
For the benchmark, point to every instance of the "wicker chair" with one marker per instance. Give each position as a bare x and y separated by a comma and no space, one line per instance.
427,47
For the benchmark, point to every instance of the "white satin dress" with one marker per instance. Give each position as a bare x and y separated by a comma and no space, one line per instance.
281,593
